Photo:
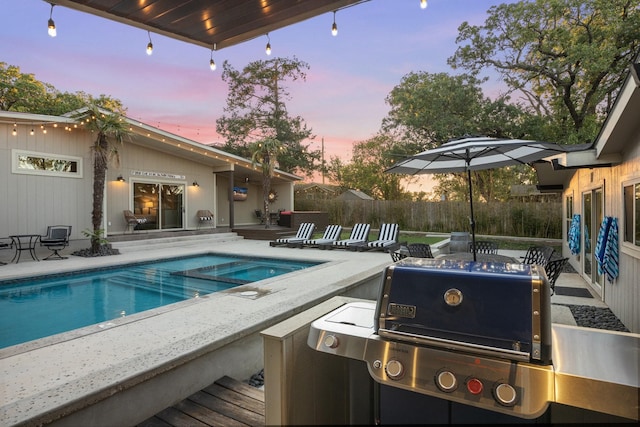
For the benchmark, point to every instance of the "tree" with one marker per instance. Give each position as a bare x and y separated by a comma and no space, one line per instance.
110,130
567,57
21,91
266,153
256,111
365,172
430,109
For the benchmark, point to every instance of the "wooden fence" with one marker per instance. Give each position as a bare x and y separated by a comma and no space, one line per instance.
513,218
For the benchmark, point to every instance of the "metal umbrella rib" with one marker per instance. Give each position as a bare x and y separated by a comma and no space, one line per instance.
475,153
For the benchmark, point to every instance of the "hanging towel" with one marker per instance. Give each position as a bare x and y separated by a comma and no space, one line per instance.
601,245
574,235
610,263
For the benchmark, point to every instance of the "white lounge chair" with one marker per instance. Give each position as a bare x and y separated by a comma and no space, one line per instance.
359,235
331,234
387,237
305,231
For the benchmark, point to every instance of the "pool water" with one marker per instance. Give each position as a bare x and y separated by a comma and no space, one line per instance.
34,308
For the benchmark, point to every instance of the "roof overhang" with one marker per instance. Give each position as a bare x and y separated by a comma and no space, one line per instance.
205,22
156,139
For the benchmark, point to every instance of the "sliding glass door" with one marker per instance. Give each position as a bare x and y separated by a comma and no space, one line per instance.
161,205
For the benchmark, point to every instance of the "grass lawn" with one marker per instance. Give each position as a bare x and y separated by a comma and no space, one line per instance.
511,244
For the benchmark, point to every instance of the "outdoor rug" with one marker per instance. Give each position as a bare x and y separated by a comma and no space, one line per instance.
572,292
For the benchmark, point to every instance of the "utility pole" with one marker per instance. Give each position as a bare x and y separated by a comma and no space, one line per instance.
323,160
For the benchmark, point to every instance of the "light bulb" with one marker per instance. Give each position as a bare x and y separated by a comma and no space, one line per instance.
212,65
51,25
149,45
334,27
423,4
268,49
52,28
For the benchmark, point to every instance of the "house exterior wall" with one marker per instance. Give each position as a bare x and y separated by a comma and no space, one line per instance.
134,158
622,296
30,203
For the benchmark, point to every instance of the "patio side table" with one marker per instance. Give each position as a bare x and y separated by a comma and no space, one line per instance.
25,242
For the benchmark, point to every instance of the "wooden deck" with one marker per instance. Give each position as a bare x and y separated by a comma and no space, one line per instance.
226,402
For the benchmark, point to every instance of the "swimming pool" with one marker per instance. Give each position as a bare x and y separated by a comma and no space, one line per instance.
34,308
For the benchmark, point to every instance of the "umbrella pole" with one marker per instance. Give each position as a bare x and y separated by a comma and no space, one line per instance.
472,220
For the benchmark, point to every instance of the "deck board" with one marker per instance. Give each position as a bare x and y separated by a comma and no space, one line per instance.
226,402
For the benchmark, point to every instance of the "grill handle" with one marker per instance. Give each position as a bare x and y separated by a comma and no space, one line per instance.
455,345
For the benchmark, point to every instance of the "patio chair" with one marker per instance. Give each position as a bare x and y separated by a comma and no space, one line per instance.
553,269
484,247
305,231
331,234
538,255
359,235
397,255
420,250
204,217
56,239
5,245
132,221
259,216
387,237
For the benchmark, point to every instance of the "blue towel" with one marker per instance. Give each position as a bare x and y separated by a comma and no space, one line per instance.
610,261
574,235
601,245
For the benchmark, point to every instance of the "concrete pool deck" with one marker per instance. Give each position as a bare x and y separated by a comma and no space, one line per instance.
132,367
123,371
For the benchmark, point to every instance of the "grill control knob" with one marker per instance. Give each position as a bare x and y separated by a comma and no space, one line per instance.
505,394
474,386
331,341
394,369
446,381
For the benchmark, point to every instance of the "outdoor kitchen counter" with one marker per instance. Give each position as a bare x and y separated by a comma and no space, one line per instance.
597,369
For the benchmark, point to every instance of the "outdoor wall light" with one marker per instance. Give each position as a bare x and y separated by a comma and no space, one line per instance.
120,178
195,184
52,25
334,27
423,4
149,45
268,48
212,63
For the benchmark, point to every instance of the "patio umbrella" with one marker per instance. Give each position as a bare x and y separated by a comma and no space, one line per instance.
475,153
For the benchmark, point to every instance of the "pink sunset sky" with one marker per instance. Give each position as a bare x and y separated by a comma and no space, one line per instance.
342,100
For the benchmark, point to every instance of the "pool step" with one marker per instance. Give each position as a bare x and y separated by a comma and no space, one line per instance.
175,241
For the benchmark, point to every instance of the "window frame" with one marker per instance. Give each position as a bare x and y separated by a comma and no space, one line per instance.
15,164
634,185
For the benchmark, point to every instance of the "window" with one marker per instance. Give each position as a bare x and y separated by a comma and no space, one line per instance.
30,162
568,213
632,214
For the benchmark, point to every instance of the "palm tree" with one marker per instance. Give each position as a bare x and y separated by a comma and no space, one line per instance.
110,129
265,153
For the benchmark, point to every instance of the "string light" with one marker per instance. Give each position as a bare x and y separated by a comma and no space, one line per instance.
212,63
149,45
268,48
334,27
423,4
52,25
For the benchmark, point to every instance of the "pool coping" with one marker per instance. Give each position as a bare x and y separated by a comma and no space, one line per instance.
46,382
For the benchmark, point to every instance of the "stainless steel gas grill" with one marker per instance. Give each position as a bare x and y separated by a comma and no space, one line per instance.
452,342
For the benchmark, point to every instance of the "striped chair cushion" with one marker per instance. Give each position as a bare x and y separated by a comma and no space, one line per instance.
331,234
359,234
388,235
304,232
